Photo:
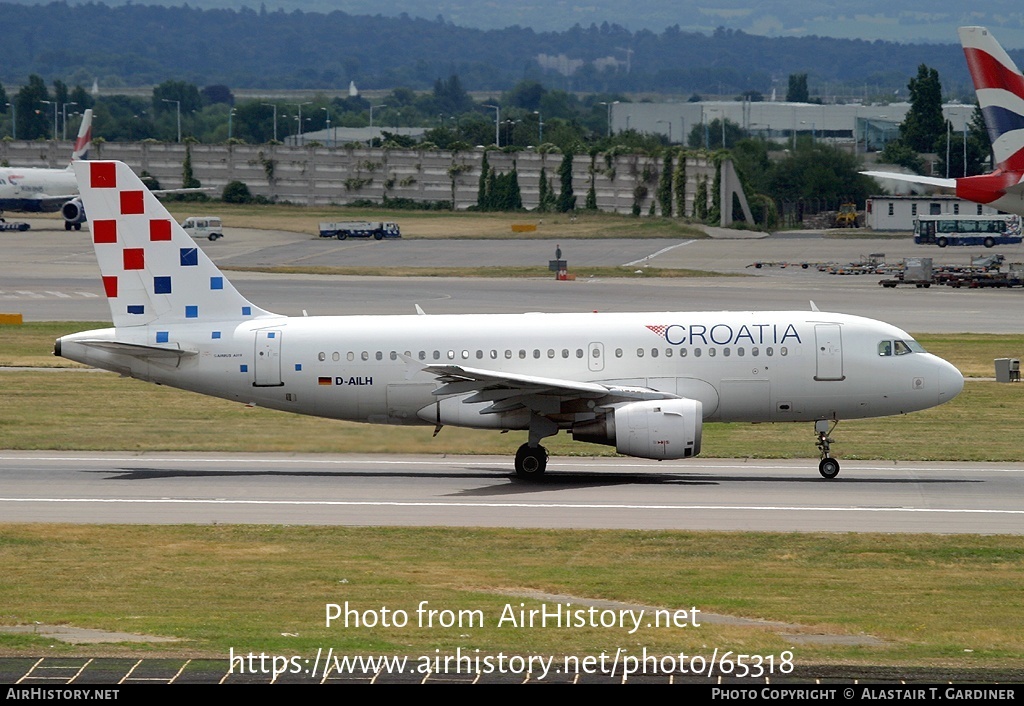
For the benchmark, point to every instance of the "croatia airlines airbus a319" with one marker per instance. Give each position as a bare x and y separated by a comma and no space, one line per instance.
644,383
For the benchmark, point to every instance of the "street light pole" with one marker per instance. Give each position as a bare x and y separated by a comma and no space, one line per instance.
497,121
177,105
383,105
64,119
274,106
610,104
298,139
14,120
54,104
328,112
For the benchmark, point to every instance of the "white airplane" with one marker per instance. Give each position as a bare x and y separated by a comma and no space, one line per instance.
999,86
642,382
37,190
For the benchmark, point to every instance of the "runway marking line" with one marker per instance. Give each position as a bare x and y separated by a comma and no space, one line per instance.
530,506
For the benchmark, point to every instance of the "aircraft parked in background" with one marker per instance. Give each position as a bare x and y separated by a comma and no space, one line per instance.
644,383
39,190
999,85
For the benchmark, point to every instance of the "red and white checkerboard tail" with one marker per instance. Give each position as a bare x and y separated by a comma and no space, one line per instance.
153,272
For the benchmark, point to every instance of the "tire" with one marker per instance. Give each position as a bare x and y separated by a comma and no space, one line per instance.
341,236
989,242
378,236
531,462
942,242
828,468
68,226
213,237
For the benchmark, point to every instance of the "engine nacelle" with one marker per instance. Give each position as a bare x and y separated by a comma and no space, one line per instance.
660,429
73,213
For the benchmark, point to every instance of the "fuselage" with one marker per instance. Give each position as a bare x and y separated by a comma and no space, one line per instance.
35,190
741,366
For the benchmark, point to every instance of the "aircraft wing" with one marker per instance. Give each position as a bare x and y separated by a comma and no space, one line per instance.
935,182
508,391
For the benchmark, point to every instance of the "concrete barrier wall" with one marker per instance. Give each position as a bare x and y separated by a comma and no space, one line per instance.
321,176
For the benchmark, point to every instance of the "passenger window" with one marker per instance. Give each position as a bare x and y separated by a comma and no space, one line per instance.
365,355
423,355
618,352
696,352
522,353
639,352
321,357
379,355
654,352
668,352
508,353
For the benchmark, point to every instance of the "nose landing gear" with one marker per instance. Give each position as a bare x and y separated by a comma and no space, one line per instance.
829,467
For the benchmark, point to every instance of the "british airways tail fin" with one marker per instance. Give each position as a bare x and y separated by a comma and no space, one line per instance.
999,85
153,272
84,140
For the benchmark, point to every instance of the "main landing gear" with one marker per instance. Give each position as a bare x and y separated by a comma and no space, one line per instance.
531,461
829,467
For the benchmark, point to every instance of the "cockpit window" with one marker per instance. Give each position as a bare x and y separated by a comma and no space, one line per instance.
898,347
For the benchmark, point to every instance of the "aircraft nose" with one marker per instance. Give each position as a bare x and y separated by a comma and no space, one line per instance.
951,382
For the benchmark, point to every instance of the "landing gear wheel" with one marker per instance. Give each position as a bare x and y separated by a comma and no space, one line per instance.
828,468
68,226
531,461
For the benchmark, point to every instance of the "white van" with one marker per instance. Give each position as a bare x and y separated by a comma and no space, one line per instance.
203,227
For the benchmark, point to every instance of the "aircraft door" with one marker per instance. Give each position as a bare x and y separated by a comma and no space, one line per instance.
595,357
829,352
267,359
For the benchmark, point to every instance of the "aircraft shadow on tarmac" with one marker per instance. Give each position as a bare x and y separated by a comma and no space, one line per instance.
553,480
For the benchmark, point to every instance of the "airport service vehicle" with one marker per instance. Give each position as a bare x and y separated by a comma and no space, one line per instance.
644,382
359,229
999,229
208,227
999,86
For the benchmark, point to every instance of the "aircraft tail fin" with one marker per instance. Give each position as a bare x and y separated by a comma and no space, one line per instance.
153,271
999,85
84,140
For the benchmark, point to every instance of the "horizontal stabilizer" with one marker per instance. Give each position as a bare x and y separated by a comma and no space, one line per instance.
138,350
935,182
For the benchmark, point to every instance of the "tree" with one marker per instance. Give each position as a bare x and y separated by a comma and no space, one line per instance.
977,131
236,192
710,135
566,199
483,201
665,186
797,92
188,179
33,122
924,123
820,171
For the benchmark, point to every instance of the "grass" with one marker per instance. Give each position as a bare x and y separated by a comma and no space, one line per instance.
443,224
265,589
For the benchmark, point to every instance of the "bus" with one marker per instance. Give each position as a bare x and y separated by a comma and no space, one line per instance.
1000,229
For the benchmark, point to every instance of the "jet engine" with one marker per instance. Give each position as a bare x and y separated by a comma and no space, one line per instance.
74,214
659,429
